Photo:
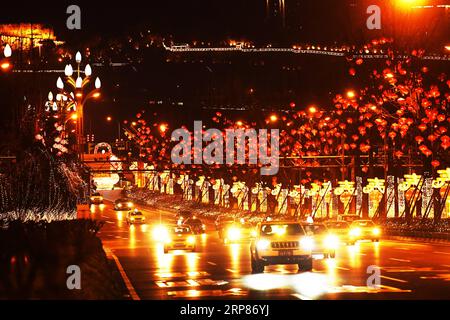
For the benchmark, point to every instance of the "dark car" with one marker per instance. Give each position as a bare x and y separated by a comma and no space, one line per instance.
123,204
196,225
96,198
183,216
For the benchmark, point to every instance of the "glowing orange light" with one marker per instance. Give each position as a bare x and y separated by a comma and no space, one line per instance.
133,124
447,48
351,94
96,95
163,127
74,116
5,65
239,123
109,119
312,109
406,4
273,118
78,94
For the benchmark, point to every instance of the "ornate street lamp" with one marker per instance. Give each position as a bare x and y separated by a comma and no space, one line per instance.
80,91
5,64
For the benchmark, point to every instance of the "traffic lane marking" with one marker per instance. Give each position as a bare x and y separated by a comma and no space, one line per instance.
394,279
124,276
400,260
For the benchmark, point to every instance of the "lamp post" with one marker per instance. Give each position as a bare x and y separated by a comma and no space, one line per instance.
5,64
119,128
80,95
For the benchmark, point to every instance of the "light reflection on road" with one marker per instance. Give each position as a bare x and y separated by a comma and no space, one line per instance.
235,252
331,270
354,255
164,261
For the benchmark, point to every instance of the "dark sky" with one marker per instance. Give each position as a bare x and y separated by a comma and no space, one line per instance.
183,17
316,21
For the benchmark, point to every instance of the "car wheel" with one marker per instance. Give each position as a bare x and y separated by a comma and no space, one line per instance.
306,265
257,267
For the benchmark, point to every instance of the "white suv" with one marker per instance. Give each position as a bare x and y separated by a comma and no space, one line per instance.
281,243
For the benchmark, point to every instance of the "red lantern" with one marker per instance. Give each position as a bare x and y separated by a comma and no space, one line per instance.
435,163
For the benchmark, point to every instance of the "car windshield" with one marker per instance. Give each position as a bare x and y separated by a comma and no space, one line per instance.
313,229
337,225
291,229
181,230
136,214
362,224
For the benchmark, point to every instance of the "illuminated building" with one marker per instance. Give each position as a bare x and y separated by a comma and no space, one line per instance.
26,36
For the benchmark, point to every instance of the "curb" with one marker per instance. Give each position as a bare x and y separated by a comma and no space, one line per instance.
126,281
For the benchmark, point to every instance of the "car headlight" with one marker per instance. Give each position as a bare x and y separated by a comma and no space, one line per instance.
234,234
161,234
331,242
355,232
130,205
263,244
119,205
191,240
376,231
307,243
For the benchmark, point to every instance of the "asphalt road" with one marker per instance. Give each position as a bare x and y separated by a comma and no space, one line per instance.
409,270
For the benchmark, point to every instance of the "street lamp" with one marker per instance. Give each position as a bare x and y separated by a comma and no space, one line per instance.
351,94
110,119
312,109
273,118
80,95
5,64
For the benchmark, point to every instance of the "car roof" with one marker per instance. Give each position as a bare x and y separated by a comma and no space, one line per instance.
336,222
280,222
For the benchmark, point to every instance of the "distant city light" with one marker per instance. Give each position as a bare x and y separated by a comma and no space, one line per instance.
163,127
351,94
312,109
